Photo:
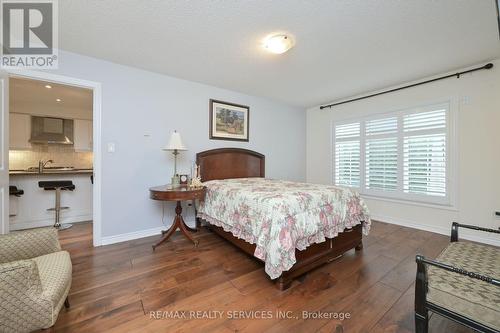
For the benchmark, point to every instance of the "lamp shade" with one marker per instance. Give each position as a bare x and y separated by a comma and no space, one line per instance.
175,142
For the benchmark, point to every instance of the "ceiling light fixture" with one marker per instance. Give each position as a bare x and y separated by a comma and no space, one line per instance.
58,100
48,86
278,44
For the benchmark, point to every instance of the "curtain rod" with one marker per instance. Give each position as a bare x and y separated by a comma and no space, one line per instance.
497,4
487,66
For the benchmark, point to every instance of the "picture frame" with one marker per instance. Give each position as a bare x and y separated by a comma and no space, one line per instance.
229,121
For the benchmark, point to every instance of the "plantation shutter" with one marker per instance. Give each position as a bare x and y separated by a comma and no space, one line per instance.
425,153
381,154
403,154
347,154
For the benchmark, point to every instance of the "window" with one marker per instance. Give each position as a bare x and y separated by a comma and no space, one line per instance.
424,166
347,155
401,155
381,157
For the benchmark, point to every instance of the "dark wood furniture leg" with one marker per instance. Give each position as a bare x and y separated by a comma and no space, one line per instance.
284,282
66,303
421,313
178,223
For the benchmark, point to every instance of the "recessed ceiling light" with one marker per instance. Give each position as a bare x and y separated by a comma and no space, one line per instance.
58,99
278,44
48,86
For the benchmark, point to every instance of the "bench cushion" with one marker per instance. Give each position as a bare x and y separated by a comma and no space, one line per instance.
472,298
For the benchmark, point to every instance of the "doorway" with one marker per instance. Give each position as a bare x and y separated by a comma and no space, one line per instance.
60,140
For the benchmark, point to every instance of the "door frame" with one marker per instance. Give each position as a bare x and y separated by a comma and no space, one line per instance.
4,152
97,136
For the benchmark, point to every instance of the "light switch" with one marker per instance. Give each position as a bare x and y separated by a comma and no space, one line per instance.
111,147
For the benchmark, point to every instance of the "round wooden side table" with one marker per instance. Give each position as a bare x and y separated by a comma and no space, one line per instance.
177,193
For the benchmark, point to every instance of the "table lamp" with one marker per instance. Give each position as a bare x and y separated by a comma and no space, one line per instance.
175,145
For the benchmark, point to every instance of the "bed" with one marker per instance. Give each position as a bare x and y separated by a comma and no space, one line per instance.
291,227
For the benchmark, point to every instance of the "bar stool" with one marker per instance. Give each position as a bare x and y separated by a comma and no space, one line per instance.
13,190
58,186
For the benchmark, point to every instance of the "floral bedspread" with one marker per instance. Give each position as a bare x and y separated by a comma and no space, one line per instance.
281,216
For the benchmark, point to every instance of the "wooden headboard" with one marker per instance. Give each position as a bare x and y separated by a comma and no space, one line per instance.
227,163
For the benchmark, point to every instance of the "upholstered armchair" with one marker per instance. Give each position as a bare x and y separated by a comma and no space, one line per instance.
35,278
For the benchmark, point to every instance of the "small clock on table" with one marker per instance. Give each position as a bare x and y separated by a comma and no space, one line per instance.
184,179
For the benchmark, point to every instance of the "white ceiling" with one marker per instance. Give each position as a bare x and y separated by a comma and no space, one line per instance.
34,94
343,47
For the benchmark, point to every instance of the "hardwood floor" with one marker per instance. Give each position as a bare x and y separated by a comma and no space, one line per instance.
116,286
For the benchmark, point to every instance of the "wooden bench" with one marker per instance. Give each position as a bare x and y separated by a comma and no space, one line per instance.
462,284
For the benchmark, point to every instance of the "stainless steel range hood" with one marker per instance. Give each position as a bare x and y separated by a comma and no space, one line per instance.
48,130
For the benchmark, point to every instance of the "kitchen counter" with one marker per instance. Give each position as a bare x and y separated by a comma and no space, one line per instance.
51,172
31,208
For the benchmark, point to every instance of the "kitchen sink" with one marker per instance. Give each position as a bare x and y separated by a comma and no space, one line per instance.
59,168
49,169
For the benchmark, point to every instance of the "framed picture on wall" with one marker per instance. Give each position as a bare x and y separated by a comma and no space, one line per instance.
228,121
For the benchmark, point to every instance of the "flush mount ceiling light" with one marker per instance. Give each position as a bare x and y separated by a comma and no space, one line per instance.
48,86
58,100
278,44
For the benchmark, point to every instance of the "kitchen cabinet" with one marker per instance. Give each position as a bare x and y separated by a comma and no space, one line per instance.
19,131
83,135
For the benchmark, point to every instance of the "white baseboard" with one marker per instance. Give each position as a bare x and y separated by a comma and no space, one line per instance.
462,233
48,222
107,240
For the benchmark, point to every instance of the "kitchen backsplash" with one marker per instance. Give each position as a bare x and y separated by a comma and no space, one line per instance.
61,155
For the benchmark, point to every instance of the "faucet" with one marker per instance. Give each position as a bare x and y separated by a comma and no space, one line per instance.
42,164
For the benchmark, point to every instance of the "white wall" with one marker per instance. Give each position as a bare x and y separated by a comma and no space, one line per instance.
476,99
140,110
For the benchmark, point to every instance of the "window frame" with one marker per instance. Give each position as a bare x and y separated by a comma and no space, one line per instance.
446,202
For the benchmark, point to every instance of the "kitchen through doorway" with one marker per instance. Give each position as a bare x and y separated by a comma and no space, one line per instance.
52,155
